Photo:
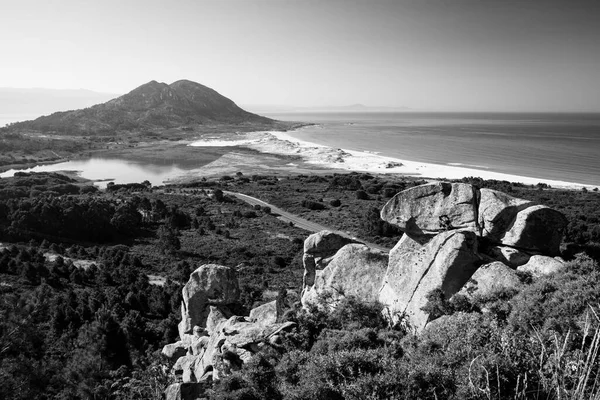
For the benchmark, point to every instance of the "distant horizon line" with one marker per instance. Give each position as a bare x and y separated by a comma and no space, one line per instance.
345,108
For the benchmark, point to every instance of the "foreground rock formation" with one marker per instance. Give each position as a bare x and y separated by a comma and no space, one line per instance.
455,235
213,341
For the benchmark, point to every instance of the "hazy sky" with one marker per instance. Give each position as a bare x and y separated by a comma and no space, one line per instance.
424,54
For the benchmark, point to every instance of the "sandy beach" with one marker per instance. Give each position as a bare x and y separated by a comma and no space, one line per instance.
284,143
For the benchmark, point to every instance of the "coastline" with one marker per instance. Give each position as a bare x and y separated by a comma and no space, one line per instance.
280,152
284,143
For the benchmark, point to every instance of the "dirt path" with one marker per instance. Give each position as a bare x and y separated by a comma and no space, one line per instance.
297,221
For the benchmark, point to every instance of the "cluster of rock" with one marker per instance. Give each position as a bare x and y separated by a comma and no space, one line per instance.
456,237
214,341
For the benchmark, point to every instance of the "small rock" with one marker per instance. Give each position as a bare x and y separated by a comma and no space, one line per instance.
489,279
542,265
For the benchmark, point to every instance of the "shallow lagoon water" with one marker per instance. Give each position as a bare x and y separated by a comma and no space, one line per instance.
104,170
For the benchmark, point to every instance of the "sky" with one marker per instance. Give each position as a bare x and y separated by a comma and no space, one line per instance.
430,55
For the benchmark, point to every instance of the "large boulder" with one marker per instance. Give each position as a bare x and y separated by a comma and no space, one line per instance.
497,212
355,270
325,243
538,229
447,262
429,209
433,208
318,248
489,279
268,313
208,285
174,351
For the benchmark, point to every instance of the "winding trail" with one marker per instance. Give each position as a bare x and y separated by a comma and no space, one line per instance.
297,221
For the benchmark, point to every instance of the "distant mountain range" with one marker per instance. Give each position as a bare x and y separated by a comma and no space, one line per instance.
348,108
153,105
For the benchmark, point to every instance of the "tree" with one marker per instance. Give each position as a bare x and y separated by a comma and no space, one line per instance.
168,239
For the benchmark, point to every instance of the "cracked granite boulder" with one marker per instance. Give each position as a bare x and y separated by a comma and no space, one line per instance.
319,248
446,262
433,208
355,270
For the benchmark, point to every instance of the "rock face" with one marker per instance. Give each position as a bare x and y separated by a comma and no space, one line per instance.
209,285
355,270
537,228
447,262
433,208
454,235
497,211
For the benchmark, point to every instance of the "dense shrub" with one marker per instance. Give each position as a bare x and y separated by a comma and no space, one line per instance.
345,182
361,195
313,205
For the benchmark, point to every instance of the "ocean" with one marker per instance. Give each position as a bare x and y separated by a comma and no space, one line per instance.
563,147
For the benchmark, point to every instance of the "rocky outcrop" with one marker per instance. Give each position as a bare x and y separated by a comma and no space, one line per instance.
427,210
209,285
355,270
221,342
446,262
239,336
456,236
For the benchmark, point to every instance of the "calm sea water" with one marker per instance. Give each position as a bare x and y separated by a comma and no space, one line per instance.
562,147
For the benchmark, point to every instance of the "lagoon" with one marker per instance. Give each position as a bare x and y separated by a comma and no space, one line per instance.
104,170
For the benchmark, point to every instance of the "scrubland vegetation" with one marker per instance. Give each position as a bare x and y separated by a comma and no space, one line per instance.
90,291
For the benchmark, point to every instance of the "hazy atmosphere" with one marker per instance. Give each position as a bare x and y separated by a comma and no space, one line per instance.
460,55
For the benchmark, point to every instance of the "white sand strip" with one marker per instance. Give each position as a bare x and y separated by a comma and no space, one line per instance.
364,161
375,163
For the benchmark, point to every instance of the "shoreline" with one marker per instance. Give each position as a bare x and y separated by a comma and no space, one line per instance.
278,151
374,163
284,143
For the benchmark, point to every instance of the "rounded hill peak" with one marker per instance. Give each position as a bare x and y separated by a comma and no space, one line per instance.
152,105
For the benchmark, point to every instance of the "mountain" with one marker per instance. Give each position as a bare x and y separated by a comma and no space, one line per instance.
151,106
